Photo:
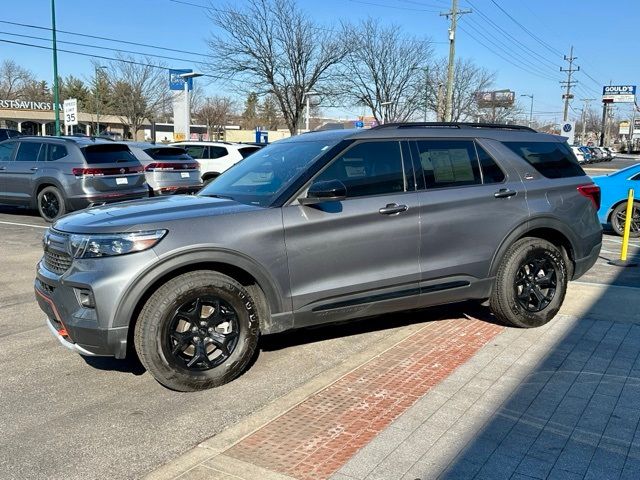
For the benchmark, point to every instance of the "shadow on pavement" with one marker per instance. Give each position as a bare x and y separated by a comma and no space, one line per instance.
131,364
576,414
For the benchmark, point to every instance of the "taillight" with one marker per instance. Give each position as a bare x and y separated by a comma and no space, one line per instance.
592,192
100,172
170,167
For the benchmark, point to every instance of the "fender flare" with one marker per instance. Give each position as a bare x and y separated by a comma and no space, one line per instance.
143,284
45,181
531,224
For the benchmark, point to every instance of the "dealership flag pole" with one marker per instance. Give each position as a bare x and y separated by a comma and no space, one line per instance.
56,99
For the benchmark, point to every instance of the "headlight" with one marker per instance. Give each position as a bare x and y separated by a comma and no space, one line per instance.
111,244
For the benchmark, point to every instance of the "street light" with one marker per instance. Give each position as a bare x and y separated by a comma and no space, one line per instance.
98,68
186,77
386,111
56,95
306,122
531,109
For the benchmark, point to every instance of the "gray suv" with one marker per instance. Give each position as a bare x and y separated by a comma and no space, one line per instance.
323,227
60,174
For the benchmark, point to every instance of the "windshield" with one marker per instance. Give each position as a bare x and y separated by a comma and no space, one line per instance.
260,178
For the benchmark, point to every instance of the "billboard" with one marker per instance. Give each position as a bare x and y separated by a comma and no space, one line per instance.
619,94
495,99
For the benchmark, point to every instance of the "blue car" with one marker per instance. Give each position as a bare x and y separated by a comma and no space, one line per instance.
613,206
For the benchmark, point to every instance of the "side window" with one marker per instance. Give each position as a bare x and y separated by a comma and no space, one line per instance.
28,152
55,152
217,152
372,168
551,159
636,178
6,151
196,151
246,151
491,172
448,163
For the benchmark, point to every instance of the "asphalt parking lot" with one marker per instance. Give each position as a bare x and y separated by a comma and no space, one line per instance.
68,417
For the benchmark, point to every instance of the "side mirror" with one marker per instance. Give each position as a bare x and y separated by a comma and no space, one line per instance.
327,191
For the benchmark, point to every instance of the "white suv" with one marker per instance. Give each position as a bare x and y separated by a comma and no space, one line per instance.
216,157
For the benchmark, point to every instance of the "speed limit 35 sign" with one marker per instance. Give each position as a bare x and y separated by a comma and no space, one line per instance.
70,108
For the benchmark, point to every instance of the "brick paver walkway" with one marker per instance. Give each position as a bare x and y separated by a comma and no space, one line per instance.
318,436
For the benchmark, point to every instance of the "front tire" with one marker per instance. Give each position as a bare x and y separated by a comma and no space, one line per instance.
619,216
197,331
50,204
530,285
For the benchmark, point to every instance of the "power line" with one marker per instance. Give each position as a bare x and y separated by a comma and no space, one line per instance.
103,57
32,37
395,7
96,37
532,35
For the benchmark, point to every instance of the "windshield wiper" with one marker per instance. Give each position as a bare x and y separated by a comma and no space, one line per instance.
215,195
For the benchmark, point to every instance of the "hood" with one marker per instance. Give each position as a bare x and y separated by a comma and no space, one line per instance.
147,214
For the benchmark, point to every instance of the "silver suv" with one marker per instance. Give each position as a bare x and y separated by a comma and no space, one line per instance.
323,227
60,174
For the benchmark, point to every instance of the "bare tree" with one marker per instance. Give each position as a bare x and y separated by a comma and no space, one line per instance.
13,80
468,79
274,48
137,88
214,114
386,71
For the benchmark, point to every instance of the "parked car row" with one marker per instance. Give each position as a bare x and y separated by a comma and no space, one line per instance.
586,154
56,175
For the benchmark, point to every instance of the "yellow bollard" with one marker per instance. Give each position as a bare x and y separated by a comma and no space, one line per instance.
627,227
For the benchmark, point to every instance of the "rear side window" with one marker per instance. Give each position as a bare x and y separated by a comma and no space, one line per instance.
246,151
217,152
51,152
167,153
108,153
28,152
551,159
491,172
6,151
196,151
448,163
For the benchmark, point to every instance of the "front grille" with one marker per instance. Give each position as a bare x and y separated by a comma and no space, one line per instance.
57,262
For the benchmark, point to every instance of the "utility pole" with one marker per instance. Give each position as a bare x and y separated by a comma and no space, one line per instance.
585,107
56,96
426,92
452,15
568,83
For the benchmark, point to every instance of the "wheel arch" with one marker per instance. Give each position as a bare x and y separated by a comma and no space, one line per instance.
546,228
236,266
43,183
615,205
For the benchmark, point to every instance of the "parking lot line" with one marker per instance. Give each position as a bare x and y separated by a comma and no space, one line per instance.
22,224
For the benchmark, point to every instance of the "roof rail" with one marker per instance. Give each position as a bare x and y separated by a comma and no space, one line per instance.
500,126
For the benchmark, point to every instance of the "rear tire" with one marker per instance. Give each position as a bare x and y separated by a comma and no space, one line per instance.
210,178
530,285
618,217
50,204
197,331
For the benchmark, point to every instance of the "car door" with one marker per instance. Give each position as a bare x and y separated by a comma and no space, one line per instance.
358,256
21,172
468,206
7,151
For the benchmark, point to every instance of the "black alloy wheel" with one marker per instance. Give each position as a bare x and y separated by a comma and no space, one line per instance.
202,333
535,284
50,204
619,219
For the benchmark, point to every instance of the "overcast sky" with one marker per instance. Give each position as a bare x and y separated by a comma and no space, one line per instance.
604,36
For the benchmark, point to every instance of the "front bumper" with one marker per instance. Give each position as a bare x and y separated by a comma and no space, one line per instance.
90,331
66,342
582,265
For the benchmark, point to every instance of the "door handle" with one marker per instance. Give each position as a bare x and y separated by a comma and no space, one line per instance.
34,169
393,208
505,193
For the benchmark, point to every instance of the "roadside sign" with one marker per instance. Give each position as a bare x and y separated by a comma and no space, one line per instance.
359,124
623,128
70,107
568,130
619,94
176,82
